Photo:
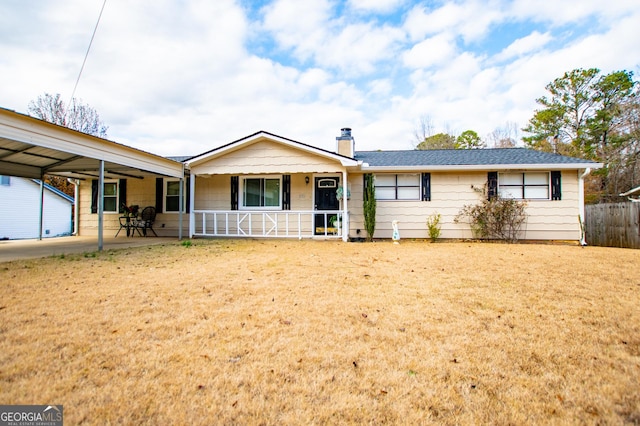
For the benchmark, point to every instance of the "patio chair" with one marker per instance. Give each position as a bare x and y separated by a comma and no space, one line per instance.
145,221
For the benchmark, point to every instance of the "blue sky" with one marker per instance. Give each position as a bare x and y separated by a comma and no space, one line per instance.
178,77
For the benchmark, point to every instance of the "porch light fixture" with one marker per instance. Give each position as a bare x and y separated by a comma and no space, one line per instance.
306,180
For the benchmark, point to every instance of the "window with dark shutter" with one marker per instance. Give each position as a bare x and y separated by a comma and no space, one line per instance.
492,185
556,185
286,192
426,187
159,194
94,196
188,195
365,195
234,192
122,195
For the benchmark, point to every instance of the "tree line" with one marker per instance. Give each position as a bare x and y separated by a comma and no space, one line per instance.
586,114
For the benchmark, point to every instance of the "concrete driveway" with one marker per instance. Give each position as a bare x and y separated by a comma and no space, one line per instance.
32,249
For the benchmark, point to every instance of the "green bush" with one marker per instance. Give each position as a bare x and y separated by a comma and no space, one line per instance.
433,223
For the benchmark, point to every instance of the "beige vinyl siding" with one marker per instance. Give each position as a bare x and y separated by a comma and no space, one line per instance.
139,191
450,192
266,157
214,192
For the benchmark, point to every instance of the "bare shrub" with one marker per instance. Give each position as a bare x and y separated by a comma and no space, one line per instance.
495,218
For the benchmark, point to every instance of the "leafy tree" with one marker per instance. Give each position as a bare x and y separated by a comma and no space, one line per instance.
591,116
469,140
77,116
438,141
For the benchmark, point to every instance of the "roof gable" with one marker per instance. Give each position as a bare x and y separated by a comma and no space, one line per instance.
266,136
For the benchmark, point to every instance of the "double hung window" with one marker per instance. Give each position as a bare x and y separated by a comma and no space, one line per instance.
397,186
110,195
172,196
524,186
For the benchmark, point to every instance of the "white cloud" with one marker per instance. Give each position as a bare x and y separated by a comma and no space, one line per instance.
433,51
524,45
379,6
309,30
470,19
560,12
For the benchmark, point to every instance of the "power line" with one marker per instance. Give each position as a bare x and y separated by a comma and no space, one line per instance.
87,54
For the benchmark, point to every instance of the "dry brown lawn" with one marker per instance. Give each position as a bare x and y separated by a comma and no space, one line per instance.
290,332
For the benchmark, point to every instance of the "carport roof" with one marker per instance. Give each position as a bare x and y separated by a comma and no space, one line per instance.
30,148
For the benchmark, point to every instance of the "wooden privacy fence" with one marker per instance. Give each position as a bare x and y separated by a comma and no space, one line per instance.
613,225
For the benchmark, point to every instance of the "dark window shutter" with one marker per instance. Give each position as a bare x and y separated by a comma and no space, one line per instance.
234,192
556,185
492,185
426,187
365,197
286,192
122,195
188,195
94,196
159,194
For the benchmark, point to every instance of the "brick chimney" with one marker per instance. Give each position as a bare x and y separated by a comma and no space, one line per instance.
346,143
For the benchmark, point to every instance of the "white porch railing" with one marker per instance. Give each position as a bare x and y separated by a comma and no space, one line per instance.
269,224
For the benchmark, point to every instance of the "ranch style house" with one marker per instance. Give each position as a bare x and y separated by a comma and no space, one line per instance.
268,186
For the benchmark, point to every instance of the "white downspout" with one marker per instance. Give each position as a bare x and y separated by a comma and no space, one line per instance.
345,212
581,214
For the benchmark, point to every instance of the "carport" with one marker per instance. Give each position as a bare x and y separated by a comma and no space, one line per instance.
31,148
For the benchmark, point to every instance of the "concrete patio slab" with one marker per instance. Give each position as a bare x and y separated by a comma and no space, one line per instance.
33,249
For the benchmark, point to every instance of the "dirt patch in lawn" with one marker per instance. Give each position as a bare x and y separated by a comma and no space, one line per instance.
302,332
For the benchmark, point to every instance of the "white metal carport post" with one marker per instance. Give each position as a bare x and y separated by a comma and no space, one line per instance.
100,204
41,217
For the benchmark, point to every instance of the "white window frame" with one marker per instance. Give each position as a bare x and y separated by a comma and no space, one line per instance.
397,187
116,196
524,185
241,192
165,195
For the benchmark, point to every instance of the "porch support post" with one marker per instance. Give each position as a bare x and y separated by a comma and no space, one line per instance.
100,205
192,203
345,212
181,209
41,217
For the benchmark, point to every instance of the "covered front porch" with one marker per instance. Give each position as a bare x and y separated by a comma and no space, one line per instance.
270,206
266,186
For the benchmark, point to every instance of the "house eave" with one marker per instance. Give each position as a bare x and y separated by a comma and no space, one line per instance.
480,167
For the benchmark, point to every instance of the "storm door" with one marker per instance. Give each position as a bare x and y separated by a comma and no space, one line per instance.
326,201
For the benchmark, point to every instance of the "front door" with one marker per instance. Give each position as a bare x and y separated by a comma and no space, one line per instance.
325,195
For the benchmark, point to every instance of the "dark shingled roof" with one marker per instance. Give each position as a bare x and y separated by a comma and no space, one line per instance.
180,158
463,157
